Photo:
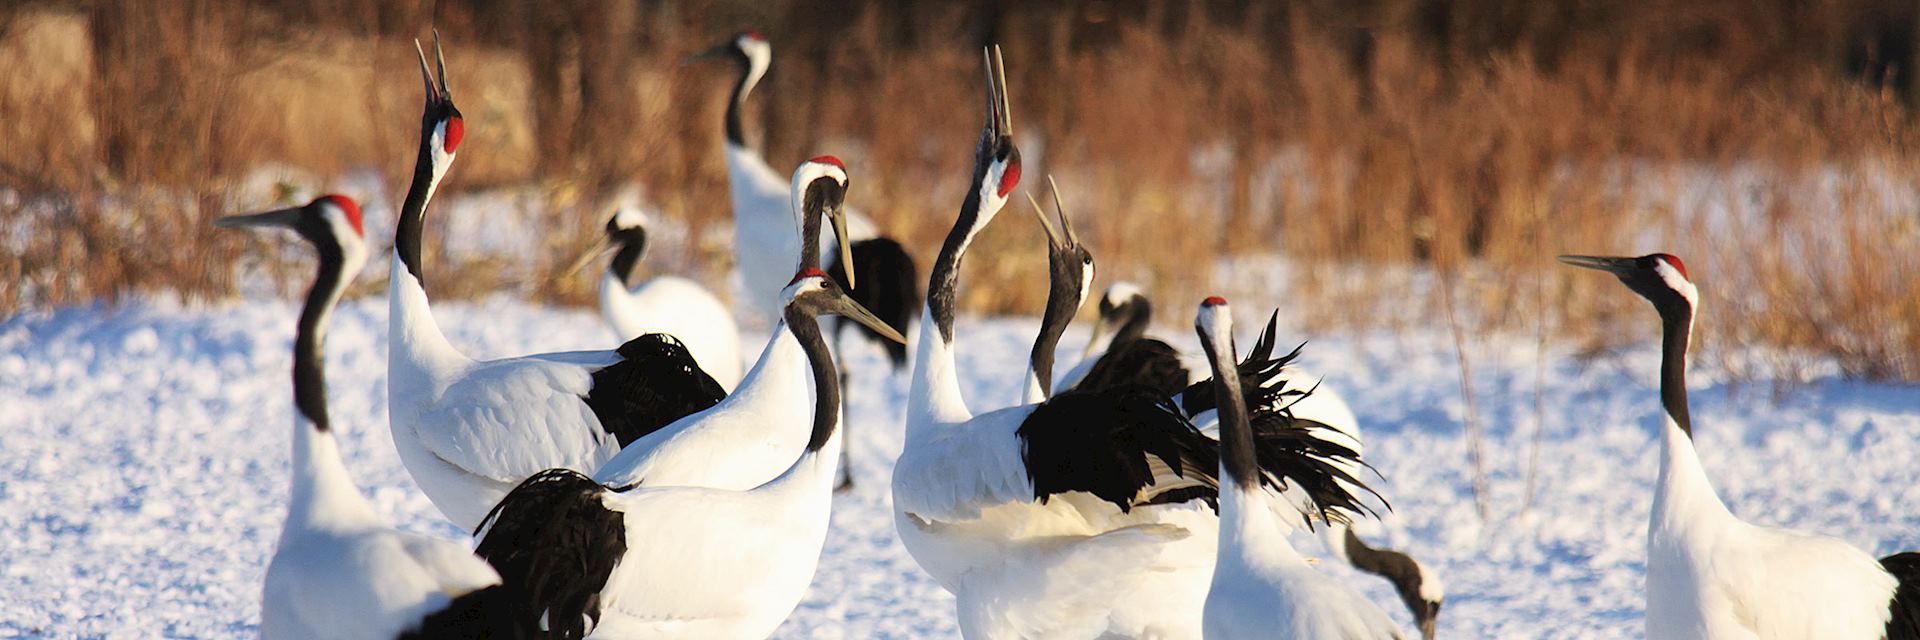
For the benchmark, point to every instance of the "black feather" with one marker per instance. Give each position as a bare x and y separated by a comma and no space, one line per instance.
655,383
888,286
1145,362
484,614
554,543
1905,623
1259,377
1290,455
1099,442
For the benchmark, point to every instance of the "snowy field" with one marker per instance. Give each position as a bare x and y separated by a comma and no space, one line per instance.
143,464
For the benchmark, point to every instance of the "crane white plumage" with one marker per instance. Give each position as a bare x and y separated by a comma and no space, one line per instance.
680,562
877,270
752,435
1120,353
339,570
664,303
1078,517
1711,574
469,430
1262,587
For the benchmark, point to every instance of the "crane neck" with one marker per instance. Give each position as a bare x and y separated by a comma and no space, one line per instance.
409,229
750,73
321,492
935,396
1237,463
826,379
1135,325
626,262
1062,302
1676,333
309,353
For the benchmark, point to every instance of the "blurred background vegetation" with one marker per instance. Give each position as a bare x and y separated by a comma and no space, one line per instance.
1417,162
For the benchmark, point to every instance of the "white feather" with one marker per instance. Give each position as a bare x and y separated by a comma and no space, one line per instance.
1711,575
712,563
1262,588
339,571
750,437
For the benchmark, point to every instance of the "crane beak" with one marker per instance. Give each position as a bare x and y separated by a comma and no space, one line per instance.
440,65
999,117
440,93
721,50
426,75
1099,329
1066,224
845,307
597,249
1053,236
837,216
285,218
1603,263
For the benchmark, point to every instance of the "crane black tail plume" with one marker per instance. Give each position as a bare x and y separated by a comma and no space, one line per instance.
888,286
1904,624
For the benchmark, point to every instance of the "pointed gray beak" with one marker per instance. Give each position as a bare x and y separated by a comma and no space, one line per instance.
845,307
285,218
837,216
440,93
721,50
1053,236
597,249
1099,328
1603,263
1000,118
1060,236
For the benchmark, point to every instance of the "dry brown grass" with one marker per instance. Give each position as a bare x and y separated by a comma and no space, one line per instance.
1370,146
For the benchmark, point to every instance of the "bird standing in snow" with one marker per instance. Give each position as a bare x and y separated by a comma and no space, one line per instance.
470,430
1129,357
339,571
1712,575
647,561
877,270
1087,515
753,435
1262,588
665,304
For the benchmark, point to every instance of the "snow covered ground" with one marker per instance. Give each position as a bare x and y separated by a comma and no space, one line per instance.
143,465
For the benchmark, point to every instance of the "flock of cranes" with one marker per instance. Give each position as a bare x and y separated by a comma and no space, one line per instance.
655,490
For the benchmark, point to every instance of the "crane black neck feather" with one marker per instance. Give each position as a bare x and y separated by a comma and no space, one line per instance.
945,279
309,355
407,232
633,245
819,195
1137,321
736,135
1236,433
1062,298
826,379
1676,322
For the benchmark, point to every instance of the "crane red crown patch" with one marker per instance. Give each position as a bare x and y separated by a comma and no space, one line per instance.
752,34
348,207
1213,301
1010,178
808,272
1675,262
828,160
456,129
